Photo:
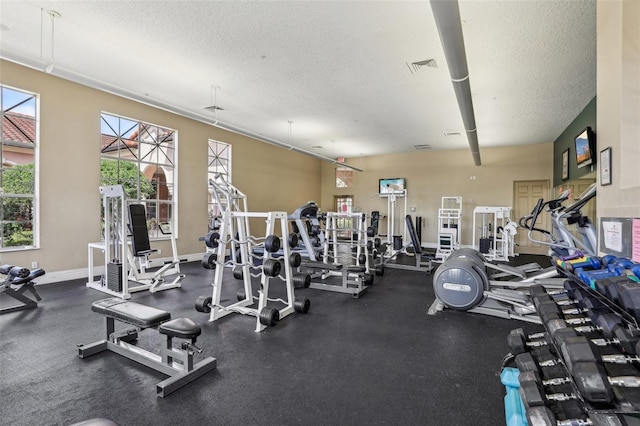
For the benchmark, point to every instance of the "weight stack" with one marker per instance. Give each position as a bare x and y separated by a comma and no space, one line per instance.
114,276
485,245
397,242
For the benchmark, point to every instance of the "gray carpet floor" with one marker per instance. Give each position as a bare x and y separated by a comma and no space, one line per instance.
376,360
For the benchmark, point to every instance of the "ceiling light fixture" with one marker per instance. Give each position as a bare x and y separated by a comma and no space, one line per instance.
214,103
290,144
53,15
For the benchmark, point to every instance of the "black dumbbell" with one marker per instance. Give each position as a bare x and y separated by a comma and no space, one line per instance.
594,384
590,378
578,350
526,362
543,416
533,394
579,298
611,326
609,287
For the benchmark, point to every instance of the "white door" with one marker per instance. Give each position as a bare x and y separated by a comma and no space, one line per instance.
525,197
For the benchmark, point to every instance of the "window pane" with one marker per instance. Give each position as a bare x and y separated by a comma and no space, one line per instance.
344,178
218,166
17,234
17,209
141,157
17,173
18,178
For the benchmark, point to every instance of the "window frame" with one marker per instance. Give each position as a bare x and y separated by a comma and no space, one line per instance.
211,202
35,197
141,164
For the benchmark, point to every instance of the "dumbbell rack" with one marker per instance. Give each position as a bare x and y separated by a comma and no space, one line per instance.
627,399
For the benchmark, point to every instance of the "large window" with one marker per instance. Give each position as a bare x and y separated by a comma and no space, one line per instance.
18,174
142,158
219,168
344,177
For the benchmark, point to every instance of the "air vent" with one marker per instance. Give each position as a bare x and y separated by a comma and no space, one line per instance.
213,108
414,67
316,146
423,146
451,133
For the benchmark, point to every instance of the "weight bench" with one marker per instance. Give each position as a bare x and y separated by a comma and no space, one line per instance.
354,278
18,281
174,362
422,259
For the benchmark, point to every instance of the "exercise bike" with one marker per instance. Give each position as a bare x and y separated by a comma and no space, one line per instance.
560,240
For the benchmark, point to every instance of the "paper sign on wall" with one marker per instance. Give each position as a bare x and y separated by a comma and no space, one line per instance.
635,240
612,235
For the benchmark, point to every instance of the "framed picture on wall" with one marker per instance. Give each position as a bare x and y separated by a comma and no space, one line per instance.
605,166
565,164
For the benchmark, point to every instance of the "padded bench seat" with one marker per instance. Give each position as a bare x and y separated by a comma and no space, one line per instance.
131,312
356,268
181,328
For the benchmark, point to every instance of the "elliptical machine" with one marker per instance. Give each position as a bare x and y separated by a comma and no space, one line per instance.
560,240
463,283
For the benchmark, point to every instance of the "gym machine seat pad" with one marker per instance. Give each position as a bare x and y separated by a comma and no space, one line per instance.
130,312
182,328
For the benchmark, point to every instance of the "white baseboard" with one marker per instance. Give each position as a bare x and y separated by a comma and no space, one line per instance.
75,274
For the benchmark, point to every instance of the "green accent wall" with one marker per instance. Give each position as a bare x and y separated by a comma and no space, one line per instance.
567,140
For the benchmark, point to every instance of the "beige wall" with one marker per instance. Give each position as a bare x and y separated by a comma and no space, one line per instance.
273,178
619,105
432,175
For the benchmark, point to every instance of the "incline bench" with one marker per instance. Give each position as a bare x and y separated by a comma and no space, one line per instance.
20,280
174,362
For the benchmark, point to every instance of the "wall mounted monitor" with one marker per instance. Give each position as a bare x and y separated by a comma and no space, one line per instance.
392,186
585,144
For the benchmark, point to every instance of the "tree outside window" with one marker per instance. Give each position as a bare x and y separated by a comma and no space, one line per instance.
18,173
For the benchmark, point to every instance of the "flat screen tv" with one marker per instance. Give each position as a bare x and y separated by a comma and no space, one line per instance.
585,148
392,186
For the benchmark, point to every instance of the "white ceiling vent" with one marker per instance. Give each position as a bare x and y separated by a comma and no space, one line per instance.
213,108
423,146
450,132
414,67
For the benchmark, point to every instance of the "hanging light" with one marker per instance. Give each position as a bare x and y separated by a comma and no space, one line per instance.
214,103
290,144
53,15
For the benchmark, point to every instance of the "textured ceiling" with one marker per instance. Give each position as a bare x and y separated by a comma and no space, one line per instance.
337,70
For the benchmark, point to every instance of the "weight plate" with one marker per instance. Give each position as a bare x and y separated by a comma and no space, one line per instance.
371,231
241,295
293,240
271,267
272,243
302,305
295,260
211,239
269,317
203,304
237,273
209,260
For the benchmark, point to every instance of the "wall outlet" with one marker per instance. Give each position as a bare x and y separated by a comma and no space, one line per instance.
34,265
